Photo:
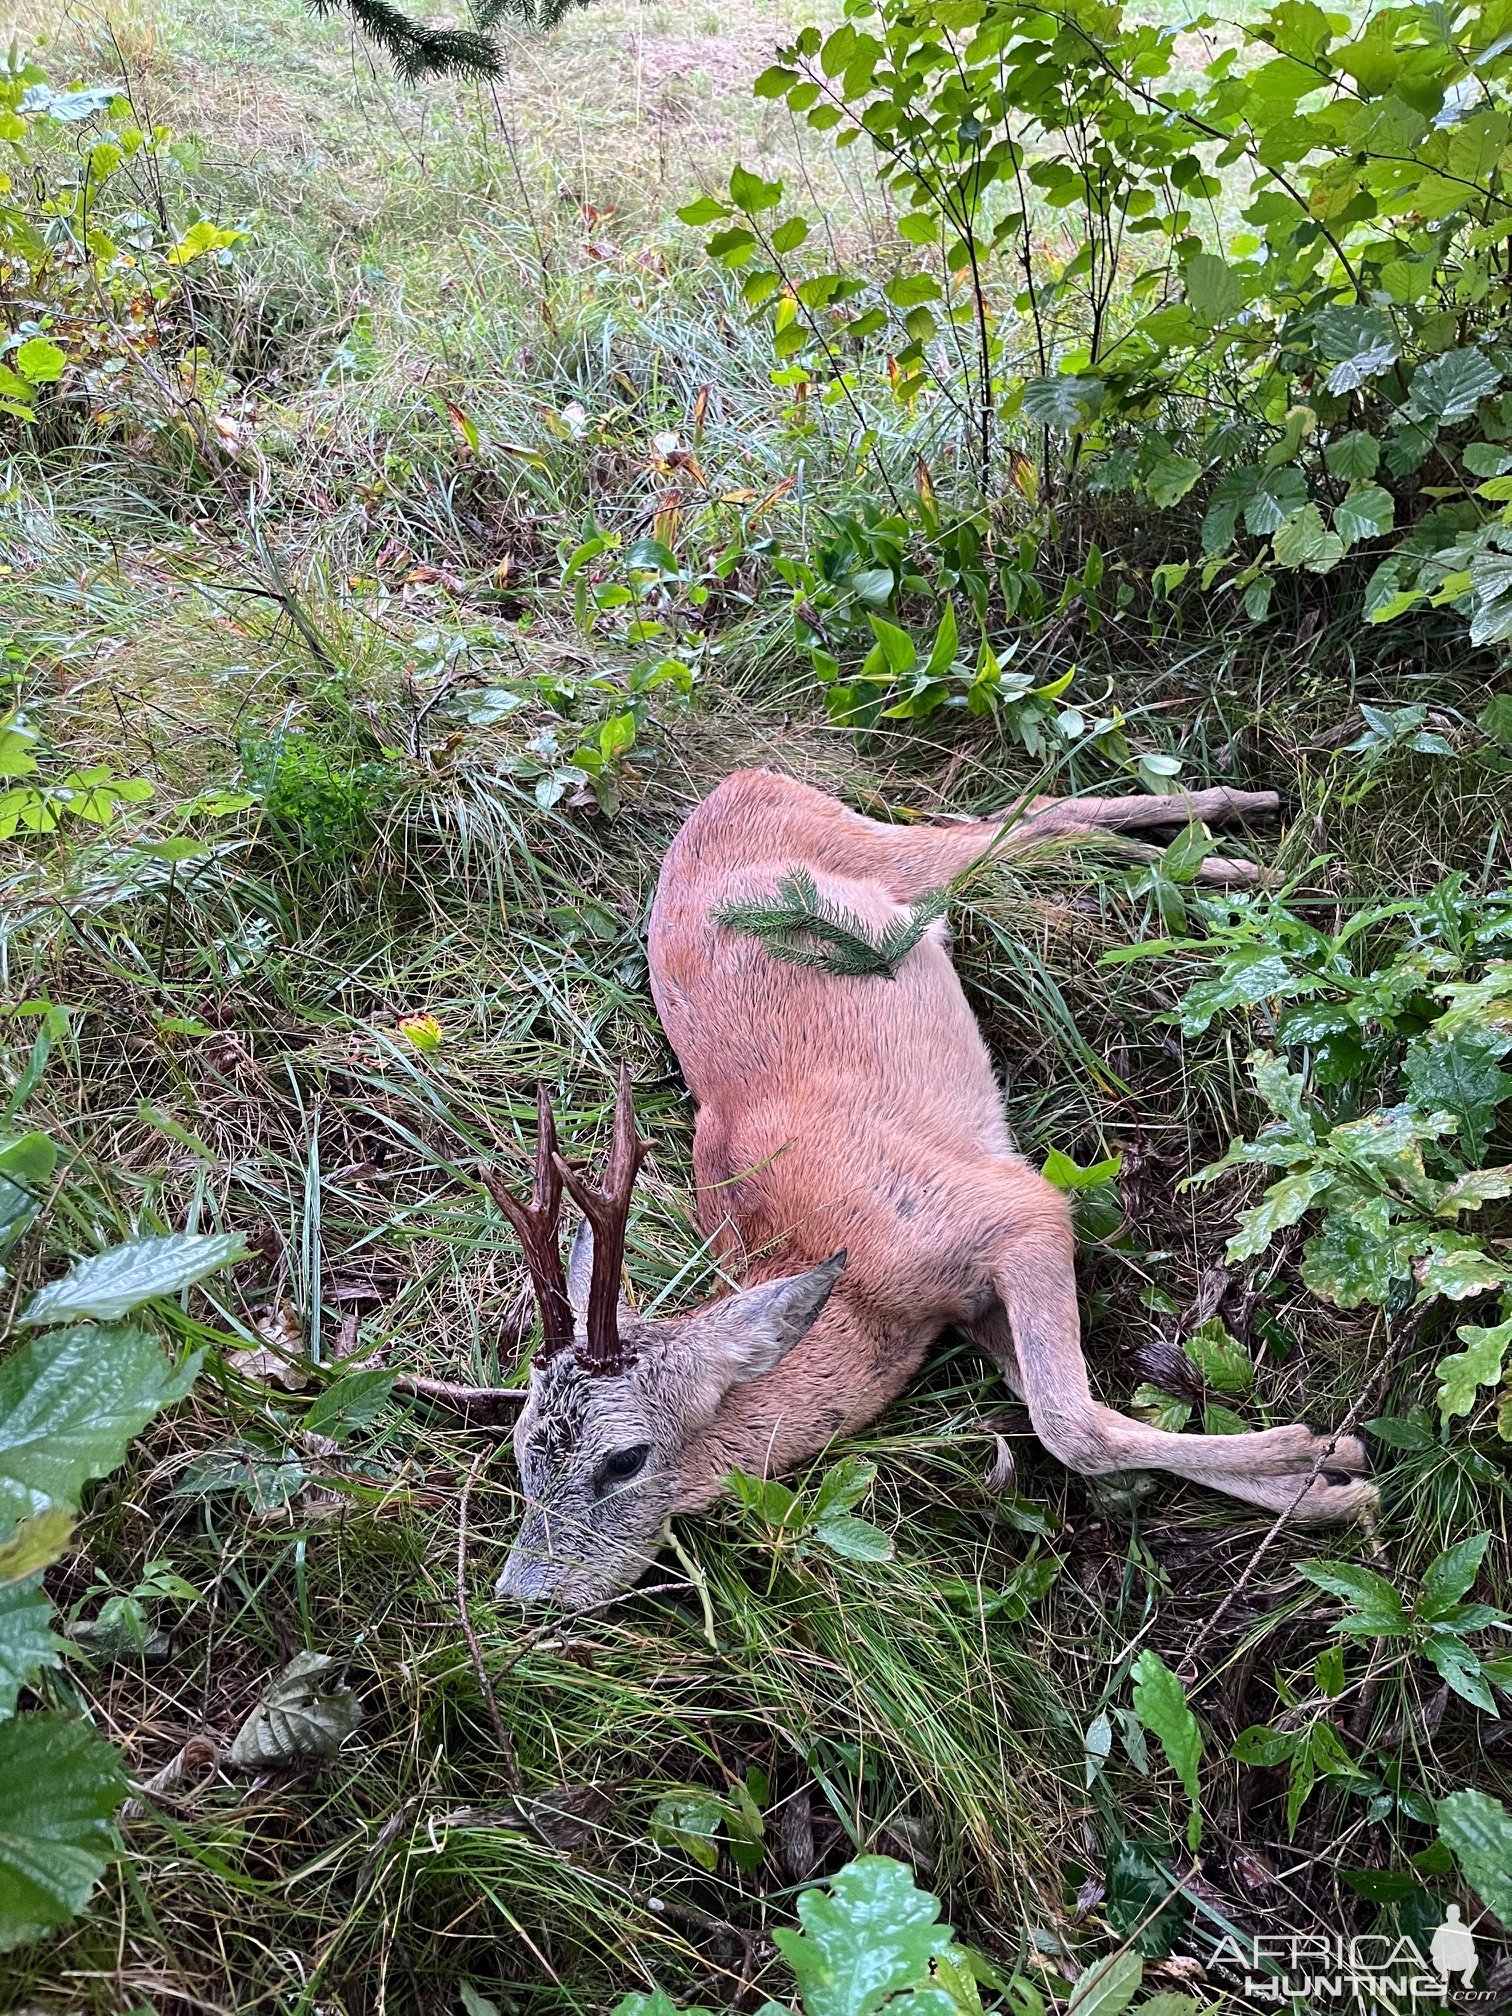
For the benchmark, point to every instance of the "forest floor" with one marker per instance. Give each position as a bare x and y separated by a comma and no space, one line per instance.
464,334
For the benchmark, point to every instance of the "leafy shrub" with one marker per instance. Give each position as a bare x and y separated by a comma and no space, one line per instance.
92,272
78,1381
1324,374
1406,1196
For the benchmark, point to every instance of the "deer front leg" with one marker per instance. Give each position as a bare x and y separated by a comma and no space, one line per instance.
1315,1476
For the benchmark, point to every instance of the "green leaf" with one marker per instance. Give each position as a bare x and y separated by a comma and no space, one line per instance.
1282,1205
27,1642
1448,1577
59,1785
844,1485
40,360
1062,401
1160,1703
1222,1362
1366,512
750,193
1171,477
1355,457
704,210
853,1539
1213,288
1479,1364
26,1168
70,1402
897,647
1477,1831
1377,1610
111,1284
1107,1987
1461,1074
1452,386
36,1543
871,1936
1305,541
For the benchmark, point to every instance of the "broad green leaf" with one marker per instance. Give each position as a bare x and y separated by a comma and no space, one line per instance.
1452,386
1107,1987
40,361
1460,1271
1283,1204
750,193
1475,1188
1160,1703
70,1402
1366,512
871,1936
27,1640
1377,1610
1171,477
1460,1669
1222,1362
853,1539
1062,401
59,1785
111,1284
1213,288
1450,1574
844,1485
1461,1073
1349,1262
1477,1831
36,1543
1305,541
1354,457
26,1168
1479,1364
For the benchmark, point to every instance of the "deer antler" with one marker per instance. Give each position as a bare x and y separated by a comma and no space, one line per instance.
607,1208
535,1225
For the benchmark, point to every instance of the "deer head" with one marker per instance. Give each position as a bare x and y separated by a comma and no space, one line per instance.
617,1399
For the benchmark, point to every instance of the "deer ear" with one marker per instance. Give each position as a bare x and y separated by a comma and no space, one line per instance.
750,1332
580,1272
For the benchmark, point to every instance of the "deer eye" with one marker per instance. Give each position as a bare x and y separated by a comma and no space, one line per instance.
621,1464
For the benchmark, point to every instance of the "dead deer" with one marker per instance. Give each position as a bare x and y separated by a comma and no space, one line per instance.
854,1171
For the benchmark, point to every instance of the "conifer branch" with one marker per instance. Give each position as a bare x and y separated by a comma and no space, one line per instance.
418,50
797,925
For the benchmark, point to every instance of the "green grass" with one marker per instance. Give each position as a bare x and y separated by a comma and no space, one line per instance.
317,613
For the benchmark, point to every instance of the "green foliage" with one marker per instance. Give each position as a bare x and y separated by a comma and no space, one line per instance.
798,925
36,802
1477,1830
71,1400
92,272
1436,1625
1326,382
417,50
1160,1703
871,1943
1404,1210
800,1522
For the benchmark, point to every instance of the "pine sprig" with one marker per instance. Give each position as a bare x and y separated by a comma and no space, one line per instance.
797,925
417,50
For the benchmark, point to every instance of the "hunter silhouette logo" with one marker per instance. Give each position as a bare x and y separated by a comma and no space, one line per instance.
1370,1969
1452,1948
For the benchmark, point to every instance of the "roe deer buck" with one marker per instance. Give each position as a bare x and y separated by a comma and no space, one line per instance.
854,1170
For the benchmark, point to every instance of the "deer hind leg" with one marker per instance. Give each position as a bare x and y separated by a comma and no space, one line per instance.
1312,1474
